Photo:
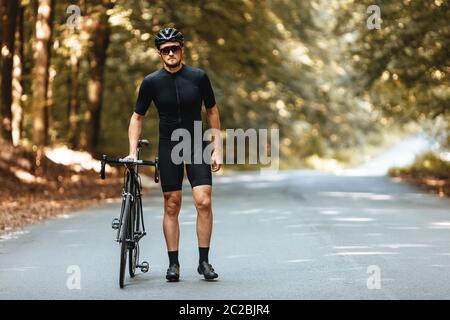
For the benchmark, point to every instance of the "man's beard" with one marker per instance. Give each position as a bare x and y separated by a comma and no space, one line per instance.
173,65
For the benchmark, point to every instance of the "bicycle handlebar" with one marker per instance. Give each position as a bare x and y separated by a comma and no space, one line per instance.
106,159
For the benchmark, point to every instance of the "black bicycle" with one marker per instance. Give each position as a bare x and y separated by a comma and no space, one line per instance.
130,225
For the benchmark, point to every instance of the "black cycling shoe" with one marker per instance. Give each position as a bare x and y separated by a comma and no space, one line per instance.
173,273
207,271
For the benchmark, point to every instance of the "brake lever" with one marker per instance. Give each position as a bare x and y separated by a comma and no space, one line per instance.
156,170
102,169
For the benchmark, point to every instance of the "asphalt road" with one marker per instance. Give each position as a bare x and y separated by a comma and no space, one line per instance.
292,235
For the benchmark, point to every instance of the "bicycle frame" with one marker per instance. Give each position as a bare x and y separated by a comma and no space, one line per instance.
134,190
130,226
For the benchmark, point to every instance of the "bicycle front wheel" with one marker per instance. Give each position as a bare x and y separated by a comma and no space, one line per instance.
123,238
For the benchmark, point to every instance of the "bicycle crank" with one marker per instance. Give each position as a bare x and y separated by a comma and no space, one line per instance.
115,224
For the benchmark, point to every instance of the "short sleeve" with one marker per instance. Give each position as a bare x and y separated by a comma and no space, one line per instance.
144,98
207,92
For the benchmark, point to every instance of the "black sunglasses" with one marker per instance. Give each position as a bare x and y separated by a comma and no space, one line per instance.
175,49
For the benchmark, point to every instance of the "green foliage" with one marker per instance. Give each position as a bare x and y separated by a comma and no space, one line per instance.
428,163
403,66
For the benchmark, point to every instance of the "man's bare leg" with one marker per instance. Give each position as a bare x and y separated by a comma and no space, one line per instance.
202,200
171,227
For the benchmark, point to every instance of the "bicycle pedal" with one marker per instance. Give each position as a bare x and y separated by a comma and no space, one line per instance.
144,266
115,224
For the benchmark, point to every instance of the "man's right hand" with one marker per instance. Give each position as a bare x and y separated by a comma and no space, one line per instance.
131,156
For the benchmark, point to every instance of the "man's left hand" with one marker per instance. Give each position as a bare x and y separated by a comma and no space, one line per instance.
216,161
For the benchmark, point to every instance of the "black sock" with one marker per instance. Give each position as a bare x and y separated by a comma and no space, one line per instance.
173,258
203,254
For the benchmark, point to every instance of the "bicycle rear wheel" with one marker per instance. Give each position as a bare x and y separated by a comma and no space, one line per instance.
133,251
135,230
133,259
123,238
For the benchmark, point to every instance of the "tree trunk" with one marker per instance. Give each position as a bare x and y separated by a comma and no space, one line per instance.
76,53
74,101
99,41
41,65
16,107
2,5
8,23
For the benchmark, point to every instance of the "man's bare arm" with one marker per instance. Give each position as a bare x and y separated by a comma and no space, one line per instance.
134,132
213,119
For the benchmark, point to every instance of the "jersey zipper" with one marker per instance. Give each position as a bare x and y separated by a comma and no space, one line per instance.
178,100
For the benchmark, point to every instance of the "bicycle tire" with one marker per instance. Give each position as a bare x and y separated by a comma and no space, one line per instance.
133,253
133,256
123,238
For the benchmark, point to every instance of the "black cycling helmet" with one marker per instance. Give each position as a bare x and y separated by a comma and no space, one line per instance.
168,34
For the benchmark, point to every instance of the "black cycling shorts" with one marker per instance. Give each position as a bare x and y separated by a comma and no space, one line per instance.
171,174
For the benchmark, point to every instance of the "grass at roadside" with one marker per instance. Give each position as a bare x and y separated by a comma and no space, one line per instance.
34,188
429,171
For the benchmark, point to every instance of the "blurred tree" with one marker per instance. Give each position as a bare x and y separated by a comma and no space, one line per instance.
99,29
42,53
9,10
405,65
2,8
17,85
76,47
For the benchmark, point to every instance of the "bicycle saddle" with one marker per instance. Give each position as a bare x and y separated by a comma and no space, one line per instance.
143,142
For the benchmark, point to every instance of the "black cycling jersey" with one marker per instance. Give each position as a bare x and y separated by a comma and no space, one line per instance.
177,96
